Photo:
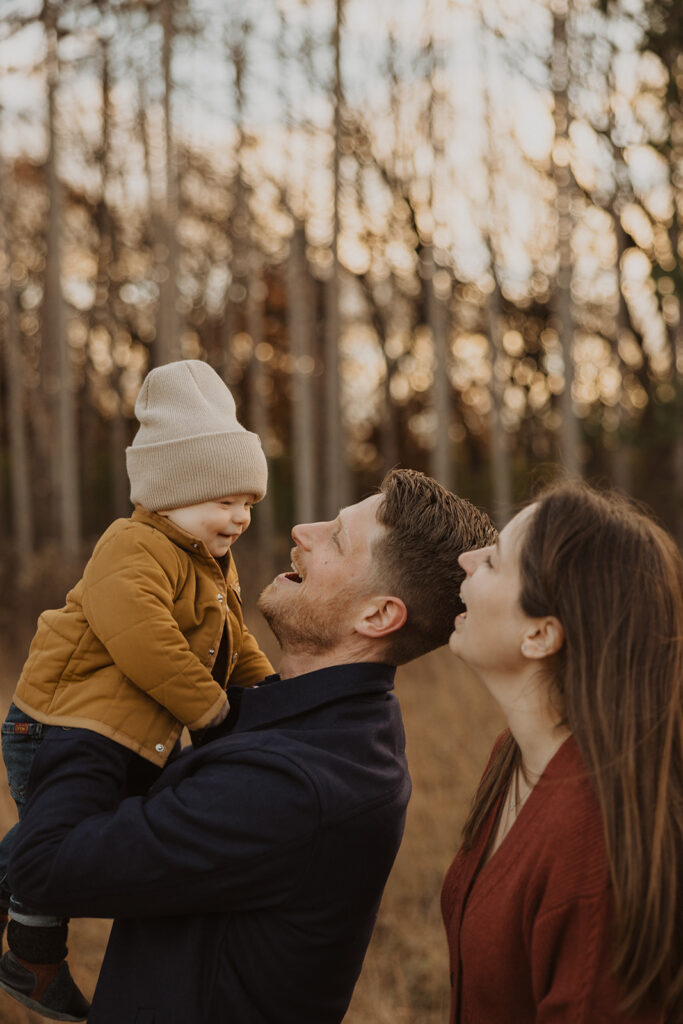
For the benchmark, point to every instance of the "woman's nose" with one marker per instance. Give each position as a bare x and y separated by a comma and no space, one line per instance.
469,560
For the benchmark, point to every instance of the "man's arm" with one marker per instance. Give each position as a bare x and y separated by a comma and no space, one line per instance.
234,833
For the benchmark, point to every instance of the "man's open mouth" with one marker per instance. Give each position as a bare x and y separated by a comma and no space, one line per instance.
294,576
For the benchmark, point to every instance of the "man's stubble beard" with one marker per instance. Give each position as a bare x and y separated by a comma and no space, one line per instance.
303,626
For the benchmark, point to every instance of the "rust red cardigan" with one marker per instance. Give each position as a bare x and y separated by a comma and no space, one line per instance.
529,930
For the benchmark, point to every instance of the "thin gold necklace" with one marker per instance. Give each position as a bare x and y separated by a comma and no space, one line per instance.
515,799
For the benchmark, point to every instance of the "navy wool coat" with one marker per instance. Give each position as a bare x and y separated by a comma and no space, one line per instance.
245,884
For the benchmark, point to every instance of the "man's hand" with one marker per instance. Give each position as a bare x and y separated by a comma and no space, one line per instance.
220,717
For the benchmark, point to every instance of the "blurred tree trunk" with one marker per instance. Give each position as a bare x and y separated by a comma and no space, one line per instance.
168,346
675,324
622,459
500,458
154,225
622,448
259,403
299,304
383,302
392,312
570,435
106,255
57,357
336,483
665,38
501,482
238,223
308,442
384,314
20,489
390,428
441,462
676,338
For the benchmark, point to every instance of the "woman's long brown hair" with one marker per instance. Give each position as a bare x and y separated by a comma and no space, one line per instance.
614,579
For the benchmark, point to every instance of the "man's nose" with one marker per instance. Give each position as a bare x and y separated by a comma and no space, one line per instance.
303,534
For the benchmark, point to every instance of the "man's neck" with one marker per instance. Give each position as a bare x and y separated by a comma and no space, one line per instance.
298,663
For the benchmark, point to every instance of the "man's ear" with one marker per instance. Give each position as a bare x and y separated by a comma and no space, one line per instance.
544,638
380,616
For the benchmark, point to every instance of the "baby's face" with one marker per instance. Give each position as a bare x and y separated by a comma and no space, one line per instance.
218,523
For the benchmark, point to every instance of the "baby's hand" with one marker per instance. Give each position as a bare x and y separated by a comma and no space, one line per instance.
221,716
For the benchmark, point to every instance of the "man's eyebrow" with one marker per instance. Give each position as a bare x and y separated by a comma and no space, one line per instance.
341,527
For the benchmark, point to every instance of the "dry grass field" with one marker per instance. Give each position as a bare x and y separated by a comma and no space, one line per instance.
450,724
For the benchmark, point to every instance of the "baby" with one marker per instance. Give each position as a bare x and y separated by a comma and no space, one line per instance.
150,635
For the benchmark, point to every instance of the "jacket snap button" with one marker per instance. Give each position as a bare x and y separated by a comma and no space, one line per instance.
159,748
220,597
195,545
212,650
234,657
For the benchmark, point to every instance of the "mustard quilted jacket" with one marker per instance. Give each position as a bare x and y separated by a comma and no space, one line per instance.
131,652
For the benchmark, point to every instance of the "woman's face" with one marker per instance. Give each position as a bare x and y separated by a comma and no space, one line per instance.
489,635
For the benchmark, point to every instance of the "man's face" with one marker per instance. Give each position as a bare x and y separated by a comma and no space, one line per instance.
314,607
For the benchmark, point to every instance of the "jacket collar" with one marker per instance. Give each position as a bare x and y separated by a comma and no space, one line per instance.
195,547
276,699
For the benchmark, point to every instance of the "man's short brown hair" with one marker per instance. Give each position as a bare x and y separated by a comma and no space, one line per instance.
427,528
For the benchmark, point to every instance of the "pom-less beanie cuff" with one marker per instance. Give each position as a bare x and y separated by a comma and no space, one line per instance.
188,470
190,446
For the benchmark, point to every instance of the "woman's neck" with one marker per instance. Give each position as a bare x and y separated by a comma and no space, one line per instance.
533,720
538,737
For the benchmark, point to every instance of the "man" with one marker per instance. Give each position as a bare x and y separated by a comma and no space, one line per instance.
247,882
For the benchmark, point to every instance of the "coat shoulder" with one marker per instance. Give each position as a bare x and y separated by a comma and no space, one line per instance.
126,540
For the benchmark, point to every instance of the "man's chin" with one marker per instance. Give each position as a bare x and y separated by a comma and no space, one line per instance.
296,625
267,595
269,605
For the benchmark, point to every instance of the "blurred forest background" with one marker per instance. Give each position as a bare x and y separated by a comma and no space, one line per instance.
444,234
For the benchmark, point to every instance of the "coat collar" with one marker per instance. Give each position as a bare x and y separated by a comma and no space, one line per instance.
277,699
195,547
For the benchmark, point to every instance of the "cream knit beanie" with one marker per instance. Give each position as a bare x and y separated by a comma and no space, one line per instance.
190,447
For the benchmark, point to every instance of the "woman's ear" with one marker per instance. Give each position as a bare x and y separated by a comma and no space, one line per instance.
544,638
381,616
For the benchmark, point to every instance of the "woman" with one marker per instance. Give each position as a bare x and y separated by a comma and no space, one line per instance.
565,901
